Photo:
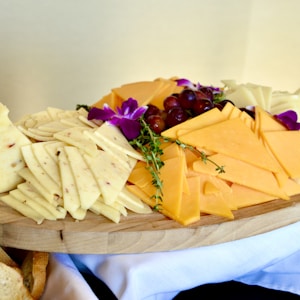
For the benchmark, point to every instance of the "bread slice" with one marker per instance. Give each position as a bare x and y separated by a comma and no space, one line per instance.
34,270
5,258
11,284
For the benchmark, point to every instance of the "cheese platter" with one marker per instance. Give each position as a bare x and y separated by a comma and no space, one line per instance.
153,166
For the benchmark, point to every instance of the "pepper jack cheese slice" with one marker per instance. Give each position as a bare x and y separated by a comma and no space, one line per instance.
85,181
11,160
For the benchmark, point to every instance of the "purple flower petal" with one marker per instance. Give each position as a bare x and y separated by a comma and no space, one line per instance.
185,82
138,112
289,119
101,114
130,128
126,117
129,106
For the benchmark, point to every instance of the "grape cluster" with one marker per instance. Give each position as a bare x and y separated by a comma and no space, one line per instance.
180,107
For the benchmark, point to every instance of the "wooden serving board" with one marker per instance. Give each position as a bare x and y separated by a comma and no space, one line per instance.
141,233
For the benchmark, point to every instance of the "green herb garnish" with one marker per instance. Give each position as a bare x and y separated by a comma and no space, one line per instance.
149,144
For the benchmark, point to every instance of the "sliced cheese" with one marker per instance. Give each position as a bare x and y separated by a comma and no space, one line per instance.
35,167
285,145
190,203
86,183
11,160
75,136
110,176
143,91
246,196
209,118
237,171
70,192
232,138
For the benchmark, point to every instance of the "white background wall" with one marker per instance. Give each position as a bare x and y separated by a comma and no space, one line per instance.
64,52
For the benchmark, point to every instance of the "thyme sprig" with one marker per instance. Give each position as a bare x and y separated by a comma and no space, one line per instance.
202,154
149,144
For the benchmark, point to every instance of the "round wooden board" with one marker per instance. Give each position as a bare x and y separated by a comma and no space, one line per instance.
141,233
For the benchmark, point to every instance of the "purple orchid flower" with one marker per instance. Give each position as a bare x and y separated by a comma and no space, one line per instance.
187,83
126,117
289,119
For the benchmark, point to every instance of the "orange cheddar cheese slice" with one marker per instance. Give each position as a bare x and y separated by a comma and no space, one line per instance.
172,175
237,171
232,138
111,99
285,145
140,176
190,204
210,117
168,88
143,91
266,122
246,196
213,203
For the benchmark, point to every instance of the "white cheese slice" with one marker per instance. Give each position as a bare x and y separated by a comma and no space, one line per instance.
35,205
133,203
86,184
75,137
100,208
46,161
35,167
115,138
70,193
56,210
110,176
27,175
22,208
11,160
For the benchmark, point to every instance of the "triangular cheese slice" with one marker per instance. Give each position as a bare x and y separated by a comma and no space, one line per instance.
143,91
209,118
111,177
237,171
234,139
285,146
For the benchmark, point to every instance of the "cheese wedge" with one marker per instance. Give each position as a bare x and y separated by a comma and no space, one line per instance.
242,173
143,91
11,160
285,145
232,138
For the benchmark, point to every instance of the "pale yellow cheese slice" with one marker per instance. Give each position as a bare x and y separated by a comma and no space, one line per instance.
11,160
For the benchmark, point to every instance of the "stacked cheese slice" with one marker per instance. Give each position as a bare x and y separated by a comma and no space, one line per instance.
259,158
70,165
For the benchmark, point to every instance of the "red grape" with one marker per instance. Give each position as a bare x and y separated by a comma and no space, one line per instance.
201,106
171,102
156,123
201,95
186,98
207,91
175,116
151,110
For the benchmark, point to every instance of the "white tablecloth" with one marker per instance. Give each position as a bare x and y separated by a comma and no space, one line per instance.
270,260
